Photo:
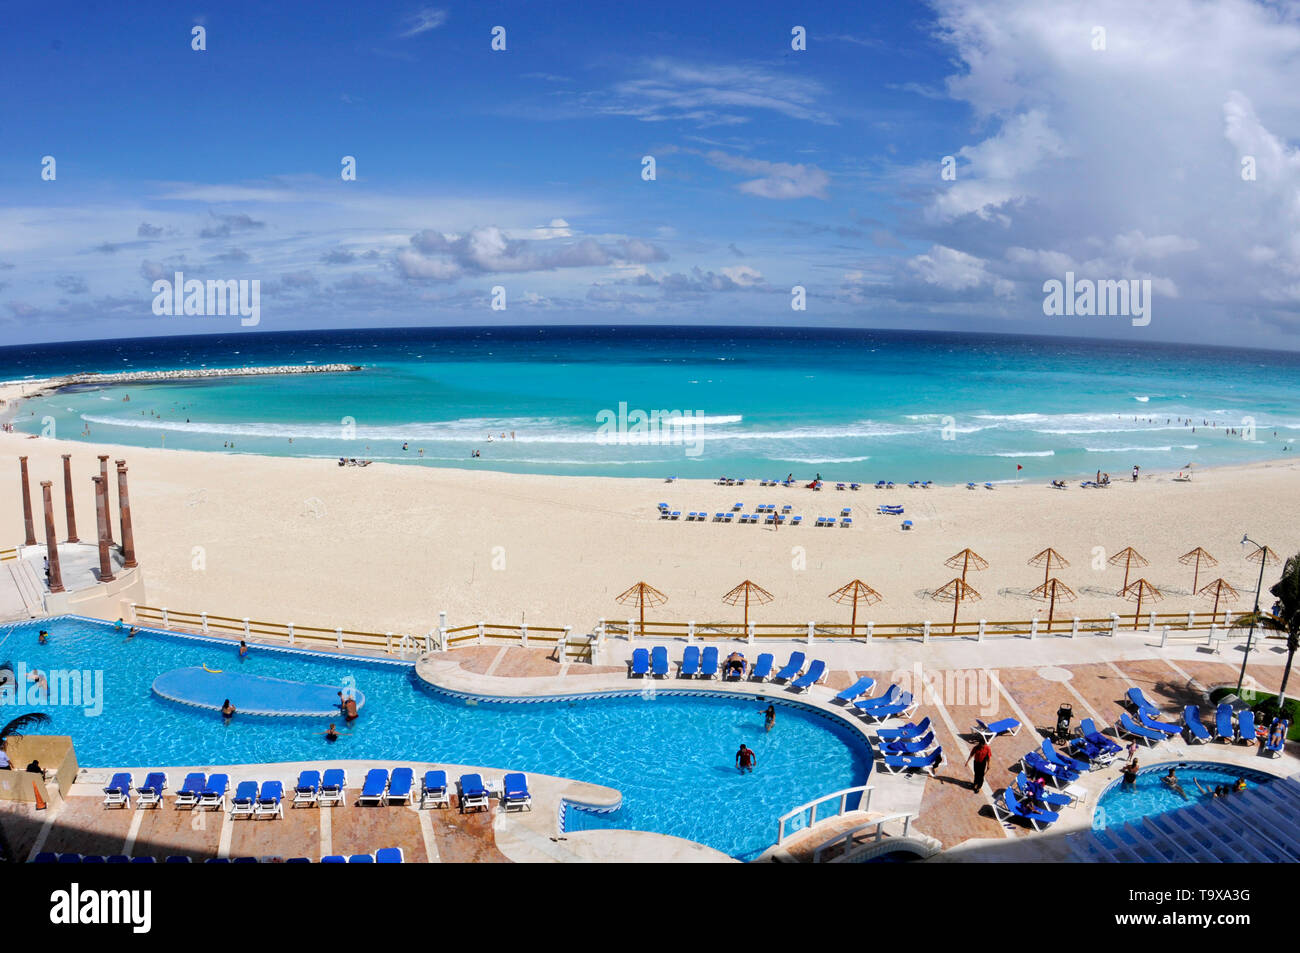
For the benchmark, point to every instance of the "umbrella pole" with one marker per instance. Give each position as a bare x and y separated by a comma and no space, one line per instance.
1214,613
853,626
955,603
746,610
1196,573
643,616
1051,608
1137,613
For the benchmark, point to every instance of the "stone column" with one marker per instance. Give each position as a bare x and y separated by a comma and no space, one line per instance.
102,524
108,505
67,498
51,544
28,524
124,508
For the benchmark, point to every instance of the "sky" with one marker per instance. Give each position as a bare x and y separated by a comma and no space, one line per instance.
1152,142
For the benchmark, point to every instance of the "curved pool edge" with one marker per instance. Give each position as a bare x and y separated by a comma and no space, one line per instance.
1158,766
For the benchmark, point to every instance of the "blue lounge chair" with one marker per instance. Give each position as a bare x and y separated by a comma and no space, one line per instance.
1246,726
816,672
762,670
1092,753
389,855
1147,719
307,790
433,792
178,859
902,708
709,662
144,860
117,859
792,667
374,787
1006,726
515,792
659,662
1089,731
1060,776
640,662
860,687
210,860
69,858
270,802
214,793
332,784
245,796
690,666
1054,756
1140,701
151,792
97,859
361,859
905,733
895,764
46,857
1223,723
1050,798
473,793
891,695
907,747
298,860
334,859
400,786
1196,731
1131,728
118,792
1276,741
1011,807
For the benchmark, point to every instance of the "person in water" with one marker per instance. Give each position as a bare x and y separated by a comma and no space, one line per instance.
746,760
1171,781
1131,774
349,708
243,649
332,735
769,717
43,637
227,710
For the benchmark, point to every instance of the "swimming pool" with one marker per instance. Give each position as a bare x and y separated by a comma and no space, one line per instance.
1119,805
671,756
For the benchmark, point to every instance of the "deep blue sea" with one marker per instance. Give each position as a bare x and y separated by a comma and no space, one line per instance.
746,402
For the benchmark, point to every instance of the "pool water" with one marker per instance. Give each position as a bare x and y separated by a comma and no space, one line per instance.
672,757
1119,804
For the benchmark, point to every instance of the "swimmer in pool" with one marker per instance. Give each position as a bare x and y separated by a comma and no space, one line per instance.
43,637
332,734
1171,781
227,710
349,708
769,717
746,760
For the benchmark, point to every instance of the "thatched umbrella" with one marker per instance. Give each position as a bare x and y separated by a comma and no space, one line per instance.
1266,554
1049,559
1130,557
642,594
852,592
1139,590
958,591
743,593
1219,589
1195,558
1053,589
966,559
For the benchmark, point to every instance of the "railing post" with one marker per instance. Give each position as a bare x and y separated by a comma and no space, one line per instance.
164,615
245,626
925,632
1114,624
480,633
1033,628
812,628
1074,628
984,624
1164,636
388,642
1209,639
203,617
871,626
338,636
630,629
289,626
1191,620
523,634
749,634
134,617
1151,623
690,632
442,641
442,621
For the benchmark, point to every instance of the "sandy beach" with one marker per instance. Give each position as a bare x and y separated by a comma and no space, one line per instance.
386,547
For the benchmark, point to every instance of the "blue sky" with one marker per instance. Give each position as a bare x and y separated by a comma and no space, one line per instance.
775,167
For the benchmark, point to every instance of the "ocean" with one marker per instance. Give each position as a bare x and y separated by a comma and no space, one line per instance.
850,405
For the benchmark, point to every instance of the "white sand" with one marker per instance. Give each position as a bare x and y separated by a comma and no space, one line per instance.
387,546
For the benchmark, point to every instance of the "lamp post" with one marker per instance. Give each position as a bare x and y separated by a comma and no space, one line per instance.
1254,614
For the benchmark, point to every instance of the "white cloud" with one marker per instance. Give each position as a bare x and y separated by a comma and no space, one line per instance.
777,180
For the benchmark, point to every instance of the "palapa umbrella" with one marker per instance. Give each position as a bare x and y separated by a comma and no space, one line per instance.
1053,589
1195,558
966,559
1139,590
1130,557
1049,559
1266,554
642,594
743,593
852,592
1219,589
958,591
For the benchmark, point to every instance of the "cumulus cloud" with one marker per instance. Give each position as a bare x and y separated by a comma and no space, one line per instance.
226,224
776,180
148,231
490,250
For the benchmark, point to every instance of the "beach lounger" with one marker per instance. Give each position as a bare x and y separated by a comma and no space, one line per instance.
792,667
97,859
178,859
1246,726
860,687
903,708
709,662
332,783
1056,758
907,747
880,484
270,802
400,786
1011,807
46,857
298,860
846,521
1093,754
1275,747
374,787
243,800
1148,720
855,486
144,860
334,859
1089,731
307,790
473,793
214,793
1034,761
659,662
970,486
192,789
896,764
762,669
1050,798
1140,701
816,672
361,859
1131,728
433,790
1223,723
690,666
905,733
907,524
1006,726
840,486
514,792
640,663
389,855
150,793
118,792
796,521
1196,731
988,486
891,695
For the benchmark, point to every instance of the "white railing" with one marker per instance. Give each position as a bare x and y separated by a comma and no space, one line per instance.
875,837
864,804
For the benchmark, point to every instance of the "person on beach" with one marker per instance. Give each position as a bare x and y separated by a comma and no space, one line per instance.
1135,472
983,756
769,717
746,760
227,710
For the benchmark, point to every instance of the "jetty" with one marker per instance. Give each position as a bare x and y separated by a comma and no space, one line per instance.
49,385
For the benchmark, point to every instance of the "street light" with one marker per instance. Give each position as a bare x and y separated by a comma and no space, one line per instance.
1255,614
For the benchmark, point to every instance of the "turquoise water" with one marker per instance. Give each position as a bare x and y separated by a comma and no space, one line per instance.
672,757
851,405
1119,805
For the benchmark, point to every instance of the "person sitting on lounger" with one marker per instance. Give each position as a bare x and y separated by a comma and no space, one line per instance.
734,665
1171,781
227,710
746,760
1277,732
1035,792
